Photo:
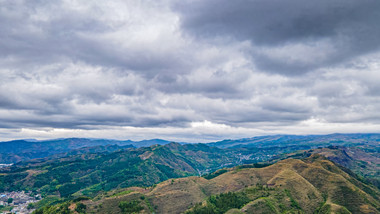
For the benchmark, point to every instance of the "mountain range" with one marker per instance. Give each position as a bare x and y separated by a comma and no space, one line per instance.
269,174
20,150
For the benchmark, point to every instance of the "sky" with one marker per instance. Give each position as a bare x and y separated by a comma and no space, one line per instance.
188,70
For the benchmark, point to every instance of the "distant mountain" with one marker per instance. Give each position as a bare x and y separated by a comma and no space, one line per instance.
145,143
21,150
313,141
311,185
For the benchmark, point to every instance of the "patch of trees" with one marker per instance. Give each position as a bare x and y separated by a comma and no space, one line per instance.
218,204
130,206
215,174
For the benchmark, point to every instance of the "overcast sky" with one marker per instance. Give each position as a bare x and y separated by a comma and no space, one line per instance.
188,70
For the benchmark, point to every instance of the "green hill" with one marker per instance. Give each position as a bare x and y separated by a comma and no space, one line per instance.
311,185
90,173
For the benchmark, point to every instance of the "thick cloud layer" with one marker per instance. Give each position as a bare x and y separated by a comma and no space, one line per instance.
292,36
188,70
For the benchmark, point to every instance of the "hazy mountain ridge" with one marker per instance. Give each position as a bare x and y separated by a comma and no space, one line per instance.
21,150
311,140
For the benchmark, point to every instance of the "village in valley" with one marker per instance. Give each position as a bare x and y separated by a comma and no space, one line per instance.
17,202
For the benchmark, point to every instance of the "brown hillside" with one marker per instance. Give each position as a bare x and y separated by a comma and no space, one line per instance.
313,184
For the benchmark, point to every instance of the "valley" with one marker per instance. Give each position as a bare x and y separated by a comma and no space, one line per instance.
258,174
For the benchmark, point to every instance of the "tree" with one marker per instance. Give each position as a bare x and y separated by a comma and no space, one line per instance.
130,207
30,206
10,200
81,208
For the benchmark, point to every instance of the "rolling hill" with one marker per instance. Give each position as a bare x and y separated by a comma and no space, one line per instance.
89,173
311,185
363,160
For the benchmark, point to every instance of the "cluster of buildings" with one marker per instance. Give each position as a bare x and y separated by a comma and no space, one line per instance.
17,202
3,165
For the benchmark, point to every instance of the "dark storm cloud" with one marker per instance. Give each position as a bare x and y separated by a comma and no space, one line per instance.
349,28
186,68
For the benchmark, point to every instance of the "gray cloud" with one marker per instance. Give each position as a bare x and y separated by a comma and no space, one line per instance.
188,69
40,32
293,30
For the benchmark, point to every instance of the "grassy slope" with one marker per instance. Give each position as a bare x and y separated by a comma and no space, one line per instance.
364,161
314,184
366,164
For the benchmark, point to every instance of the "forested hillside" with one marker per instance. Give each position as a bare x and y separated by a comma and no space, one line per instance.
311,185
90,173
